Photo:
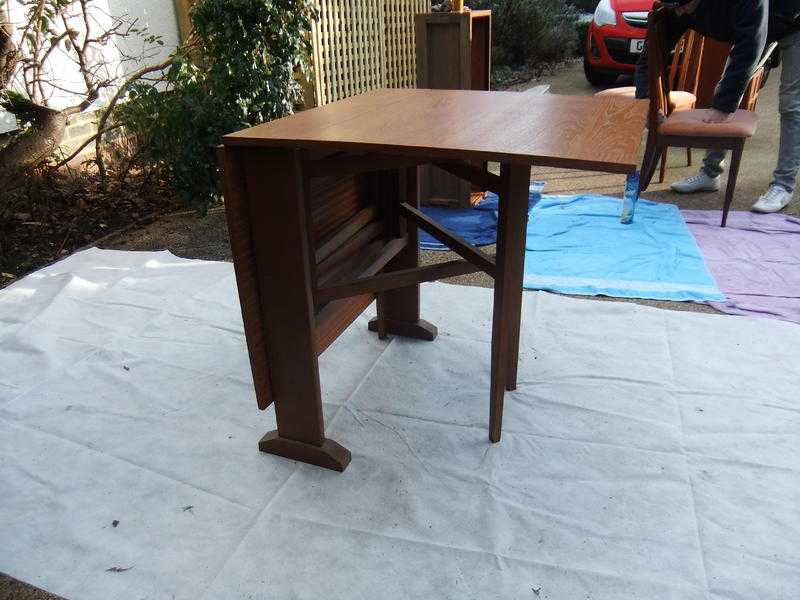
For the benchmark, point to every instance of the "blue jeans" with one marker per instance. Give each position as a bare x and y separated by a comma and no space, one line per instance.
785,174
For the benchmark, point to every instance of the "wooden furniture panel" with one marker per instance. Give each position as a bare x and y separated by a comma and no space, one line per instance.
578,132
237,214
323,211
481,62
287,311
453,53
333,201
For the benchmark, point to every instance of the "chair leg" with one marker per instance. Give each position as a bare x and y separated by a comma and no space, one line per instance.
688,157
733,173
663,171
649,152
649,166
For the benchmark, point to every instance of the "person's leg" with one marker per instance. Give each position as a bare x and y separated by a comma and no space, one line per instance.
713,162
707,179
784,177
789,107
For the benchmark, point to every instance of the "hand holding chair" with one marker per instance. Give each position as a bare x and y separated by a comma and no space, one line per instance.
686,128
683,80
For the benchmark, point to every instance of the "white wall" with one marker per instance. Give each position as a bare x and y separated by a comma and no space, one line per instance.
157,15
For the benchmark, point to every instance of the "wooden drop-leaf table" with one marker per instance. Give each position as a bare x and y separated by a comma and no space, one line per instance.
323,211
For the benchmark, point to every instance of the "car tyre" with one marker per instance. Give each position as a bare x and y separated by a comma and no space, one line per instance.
598,78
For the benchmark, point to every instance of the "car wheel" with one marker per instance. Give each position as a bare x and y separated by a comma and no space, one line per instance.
598,78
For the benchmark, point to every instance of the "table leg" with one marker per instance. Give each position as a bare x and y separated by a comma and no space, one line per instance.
399,309
280,245
510,260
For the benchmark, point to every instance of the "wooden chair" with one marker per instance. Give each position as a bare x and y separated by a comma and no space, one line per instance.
757,79
683,79
686,128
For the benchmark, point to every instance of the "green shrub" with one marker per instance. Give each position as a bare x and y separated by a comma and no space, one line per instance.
581,31
586,6
531,32
240,72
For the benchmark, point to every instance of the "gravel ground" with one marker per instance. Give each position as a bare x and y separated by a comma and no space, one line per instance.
11,589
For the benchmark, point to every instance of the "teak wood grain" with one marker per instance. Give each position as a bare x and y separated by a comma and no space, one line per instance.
319,228
578,132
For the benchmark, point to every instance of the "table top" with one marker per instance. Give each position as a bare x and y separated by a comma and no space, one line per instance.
583,132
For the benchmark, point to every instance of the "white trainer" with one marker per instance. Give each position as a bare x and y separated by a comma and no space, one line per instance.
774,200
696,183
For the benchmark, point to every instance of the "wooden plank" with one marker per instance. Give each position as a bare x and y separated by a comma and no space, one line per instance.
353,226
337,316
511,228
352,164
480,177
367,262
456,243
237,215
399,309
395,280
353,265
276,204
334,200
390,250
601,133
481,63
350,248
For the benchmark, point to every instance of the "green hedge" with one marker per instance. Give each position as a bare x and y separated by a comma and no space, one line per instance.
585,5
241,72
531,32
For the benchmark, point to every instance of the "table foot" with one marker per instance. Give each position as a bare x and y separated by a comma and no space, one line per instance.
330,455
419,330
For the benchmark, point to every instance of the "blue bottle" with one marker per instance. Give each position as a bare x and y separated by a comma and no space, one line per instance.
630,198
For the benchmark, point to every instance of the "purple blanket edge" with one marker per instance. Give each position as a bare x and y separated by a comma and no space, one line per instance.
755,261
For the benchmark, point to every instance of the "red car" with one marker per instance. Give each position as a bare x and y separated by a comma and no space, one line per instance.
615,39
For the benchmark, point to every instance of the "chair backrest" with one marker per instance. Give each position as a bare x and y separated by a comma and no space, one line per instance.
675,66
684,72
750,98
657,72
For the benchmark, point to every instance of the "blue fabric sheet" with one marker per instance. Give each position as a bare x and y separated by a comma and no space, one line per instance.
577,245
477,225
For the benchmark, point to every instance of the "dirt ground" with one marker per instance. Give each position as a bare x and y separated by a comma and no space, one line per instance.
191,236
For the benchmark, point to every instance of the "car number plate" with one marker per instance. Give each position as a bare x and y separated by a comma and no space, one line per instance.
637,46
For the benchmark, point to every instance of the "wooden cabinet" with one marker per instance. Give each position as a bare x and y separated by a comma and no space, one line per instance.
453,53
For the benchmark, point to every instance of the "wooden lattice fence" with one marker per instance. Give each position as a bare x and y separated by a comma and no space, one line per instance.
361,45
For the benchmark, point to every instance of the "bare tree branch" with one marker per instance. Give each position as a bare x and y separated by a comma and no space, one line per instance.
112,103
49,26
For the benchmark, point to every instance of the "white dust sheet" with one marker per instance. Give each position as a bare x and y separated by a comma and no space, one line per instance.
647,454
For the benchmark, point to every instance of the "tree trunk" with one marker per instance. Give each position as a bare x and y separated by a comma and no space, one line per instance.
46,129
8,55
35,145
